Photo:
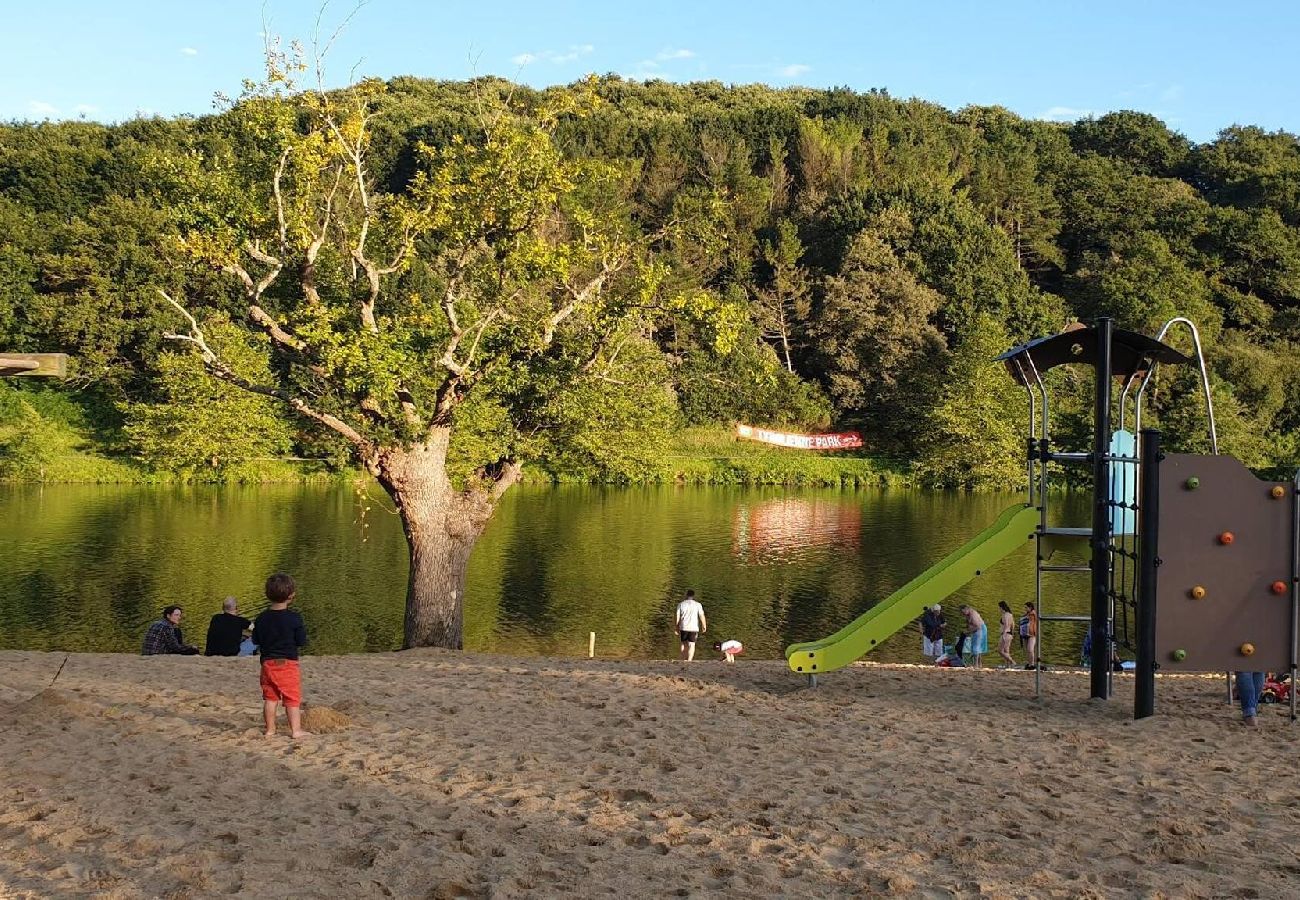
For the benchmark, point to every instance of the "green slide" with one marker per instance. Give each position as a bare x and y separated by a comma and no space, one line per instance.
1011,530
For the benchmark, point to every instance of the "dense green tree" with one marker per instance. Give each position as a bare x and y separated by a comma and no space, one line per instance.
973,436
527,283
199,422
1139,140
740,205
874,334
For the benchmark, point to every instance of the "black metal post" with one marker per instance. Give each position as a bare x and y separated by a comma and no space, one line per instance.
1101,515
1144,696
1295,587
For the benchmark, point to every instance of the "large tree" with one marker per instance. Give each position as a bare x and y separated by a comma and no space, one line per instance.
446,330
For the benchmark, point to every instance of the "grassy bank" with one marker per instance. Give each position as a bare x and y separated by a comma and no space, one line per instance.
716,456
59,452
46,437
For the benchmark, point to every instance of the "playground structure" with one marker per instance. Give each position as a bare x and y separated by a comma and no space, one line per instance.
1197,537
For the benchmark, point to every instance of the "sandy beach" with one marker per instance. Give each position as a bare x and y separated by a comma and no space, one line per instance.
467,775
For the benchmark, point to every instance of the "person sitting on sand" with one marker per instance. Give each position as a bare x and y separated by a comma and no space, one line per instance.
977,633
730,649
280,633
226,630
690,624
164,636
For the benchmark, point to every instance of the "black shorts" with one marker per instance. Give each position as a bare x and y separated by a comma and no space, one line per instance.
688,637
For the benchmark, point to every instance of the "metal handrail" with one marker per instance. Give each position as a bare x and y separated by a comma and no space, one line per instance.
1205,380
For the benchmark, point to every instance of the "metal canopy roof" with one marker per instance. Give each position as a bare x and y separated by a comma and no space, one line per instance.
1129,352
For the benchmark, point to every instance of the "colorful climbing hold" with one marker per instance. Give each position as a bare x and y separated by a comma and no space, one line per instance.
1179,655
1278,587
1247,649
1197,592
1227,538
1193,483
1277,492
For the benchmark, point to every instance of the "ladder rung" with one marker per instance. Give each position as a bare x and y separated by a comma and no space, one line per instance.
1065,618
1070,457
1065,568
1067,532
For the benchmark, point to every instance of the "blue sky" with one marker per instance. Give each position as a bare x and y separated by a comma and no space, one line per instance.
1200,66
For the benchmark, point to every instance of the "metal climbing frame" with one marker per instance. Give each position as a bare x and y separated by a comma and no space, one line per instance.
1127,497
1113,537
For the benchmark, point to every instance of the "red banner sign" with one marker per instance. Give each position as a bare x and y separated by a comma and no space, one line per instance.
844,440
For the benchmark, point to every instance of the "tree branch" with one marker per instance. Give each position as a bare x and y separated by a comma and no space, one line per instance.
218,369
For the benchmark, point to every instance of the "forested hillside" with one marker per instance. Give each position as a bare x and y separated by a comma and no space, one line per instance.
819,258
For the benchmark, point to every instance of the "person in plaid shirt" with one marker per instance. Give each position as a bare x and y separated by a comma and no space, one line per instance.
164,636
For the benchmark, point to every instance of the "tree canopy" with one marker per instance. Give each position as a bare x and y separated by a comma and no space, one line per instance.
792,257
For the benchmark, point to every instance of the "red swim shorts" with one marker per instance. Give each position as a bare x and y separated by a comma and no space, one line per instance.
282,681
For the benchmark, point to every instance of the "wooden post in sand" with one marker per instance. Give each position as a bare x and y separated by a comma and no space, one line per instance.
591,645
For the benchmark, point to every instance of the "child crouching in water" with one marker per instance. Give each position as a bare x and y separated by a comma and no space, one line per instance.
730,649
279,633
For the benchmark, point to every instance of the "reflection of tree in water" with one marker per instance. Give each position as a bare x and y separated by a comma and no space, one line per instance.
779,529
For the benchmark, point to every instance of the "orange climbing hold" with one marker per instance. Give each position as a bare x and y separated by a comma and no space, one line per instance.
1247,649
1278,587
1278,492
1197,592
1226,538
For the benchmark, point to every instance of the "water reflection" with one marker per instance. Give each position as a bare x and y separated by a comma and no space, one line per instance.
778,530
89,567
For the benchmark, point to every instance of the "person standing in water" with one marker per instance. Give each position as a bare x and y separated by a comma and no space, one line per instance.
690,624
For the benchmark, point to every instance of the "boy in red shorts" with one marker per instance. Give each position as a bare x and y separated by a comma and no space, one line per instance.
279,632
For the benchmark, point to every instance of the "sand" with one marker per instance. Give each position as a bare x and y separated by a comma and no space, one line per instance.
467,775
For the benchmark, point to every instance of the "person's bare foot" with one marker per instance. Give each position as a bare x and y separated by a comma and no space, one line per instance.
299,735
268,734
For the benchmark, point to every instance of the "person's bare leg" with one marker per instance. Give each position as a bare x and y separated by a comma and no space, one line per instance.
268,716
690,651
295,721
682,652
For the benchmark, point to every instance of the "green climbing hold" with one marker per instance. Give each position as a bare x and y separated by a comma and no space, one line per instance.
1193,483
1180,655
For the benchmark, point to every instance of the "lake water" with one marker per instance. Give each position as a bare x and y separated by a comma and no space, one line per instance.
87,567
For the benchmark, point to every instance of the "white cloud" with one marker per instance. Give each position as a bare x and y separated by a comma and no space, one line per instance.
1065,114
189,51
793,71
572,54
670,53
41,108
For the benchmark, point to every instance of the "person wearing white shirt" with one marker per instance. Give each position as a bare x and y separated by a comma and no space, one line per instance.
690,624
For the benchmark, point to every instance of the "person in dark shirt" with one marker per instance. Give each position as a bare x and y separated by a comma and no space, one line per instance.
279,633
164,636
226,630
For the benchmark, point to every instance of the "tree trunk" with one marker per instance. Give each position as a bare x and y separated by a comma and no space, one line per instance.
441,526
